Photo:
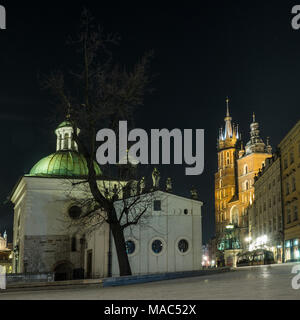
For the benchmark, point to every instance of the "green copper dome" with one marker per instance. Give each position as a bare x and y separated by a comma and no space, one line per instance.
63,163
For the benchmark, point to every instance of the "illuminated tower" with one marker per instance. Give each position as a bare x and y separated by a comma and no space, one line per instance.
250,161
226,177
234,190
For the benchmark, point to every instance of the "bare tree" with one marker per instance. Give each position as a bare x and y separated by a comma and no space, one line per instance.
100,93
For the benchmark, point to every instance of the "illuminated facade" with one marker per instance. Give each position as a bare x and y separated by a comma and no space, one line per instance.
5,253
234,190
290,166
265,215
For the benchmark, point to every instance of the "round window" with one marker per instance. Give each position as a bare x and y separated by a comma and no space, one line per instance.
157,246
183,245
75,212
130,247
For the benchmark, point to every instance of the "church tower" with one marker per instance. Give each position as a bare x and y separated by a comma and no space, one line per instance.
226,178
234,190
250,161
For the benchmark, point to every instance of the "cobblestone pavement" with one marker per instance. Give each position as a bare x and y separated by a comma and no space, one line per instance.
262,282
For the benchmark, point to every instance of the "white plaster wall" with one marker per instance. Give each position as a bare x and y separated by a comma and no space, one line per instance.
170,225
98,242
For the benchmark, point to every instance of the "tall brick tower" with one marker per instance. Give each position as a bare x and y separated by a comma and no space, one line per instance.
226,186
234,190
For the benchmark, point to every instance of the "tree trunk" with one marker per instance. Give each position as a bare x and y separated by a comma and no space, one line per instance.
119,239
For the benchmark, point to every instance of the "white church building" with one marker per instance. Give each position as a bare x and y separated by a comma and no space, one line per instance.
44,239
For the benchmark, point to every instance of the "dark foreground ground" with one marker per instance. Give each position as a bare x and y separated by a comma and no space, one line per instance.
262,282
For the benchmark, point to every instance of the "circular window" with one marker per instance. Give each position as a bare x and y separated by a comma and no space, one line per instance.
183,246
186,211
157,246
130,247
75,212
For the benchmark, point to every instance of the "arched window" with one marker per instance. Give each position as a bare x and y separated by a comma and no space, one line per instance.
66,138
61,142
227,158
235,216
245,169
74,244
221,183
246,185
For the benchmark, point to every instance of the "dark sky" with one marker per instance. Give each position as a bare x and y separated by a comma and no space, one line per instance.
203,53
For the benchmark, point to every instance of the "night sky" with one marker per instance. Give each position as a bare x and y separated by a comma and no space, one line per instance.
247,51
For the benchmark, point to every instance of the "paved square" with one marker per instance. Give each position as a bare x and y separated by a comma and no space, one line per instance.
261,282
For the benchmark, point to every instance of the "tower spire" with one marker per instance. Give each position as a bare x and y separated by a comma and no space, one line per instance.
256,144
228,126
227,107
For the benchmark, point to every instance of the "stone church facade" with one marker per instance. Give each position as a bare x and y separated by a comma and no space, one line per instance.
46,240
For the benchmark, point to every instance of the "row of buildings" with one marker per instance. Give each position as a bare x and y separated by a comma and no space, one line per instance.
257,194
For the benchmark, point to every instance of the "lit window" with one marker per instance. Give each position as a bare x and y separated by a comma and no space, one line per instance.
221,184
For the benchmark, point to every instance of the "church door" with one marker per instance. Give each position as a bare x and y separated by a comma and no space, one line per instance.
89,264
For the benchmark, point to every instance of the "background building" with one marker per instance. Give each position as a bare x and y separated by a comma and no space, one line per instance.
265,214
5,253
290,167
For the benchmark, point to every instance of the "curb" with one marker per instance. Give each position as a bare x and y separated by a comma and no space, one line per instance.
52,285
136,279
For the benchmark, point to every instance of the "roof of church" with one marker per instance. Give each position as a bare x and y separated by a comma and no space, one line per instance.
65,123
63,163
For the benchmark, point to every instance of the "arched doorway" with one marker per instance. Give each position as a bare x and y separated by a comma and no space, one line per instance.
63,271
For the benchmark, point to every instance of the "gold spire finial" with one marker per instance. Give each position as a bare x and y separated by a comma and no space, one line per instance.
227,106
253,117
